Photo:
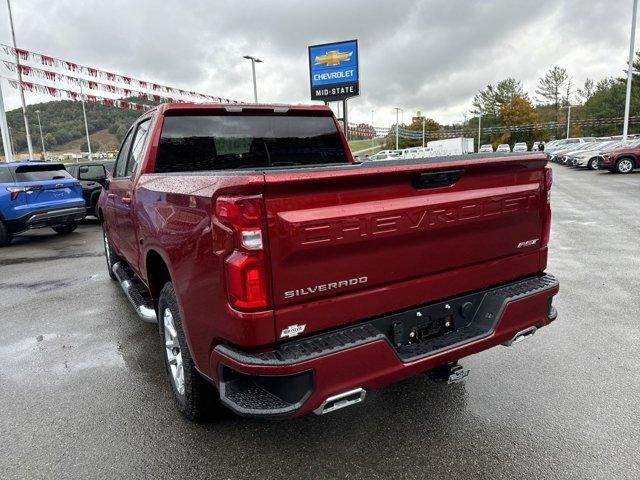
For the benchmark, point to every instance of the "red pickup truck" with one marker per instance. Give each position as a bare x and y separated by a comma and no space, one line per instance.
286,278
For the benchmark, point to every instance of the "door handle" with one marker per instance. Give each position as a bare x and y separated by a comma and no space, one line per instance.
111,195
126,200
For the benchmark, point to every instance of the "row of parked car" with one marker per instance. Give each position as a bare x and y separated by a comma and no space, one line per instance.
603,153
45,194
505,147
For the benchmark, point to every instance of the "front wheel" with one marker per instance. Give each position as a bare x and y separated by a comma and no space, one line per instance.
5,235
624,165
193,395
592,164
66,228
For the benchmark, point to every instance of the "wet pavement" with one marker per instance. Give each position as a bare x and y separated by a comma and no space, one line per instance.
83,392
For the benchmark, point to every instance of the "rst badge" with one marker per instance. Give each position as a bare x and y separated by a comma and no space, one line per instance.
292,331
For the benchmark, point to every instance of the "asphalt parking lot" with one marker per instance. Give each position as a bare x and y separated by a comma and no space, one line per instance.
83,393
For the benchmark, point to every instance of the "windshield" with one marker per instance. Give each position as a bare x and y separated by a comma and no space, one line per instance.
222,142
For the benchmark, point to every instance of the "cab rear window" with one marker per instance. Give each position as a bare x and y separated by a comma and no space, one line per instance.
226,142
40,173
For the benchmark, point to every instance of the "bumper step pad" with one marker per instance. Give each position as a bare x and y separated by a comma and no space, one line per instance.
472,316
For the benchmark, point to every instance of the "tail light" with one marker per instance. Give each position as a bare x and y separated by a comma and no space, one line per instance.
246,269
546,228
16,191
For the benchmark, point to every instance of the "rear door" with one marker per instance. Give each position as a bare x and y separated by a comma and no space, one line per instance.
368,240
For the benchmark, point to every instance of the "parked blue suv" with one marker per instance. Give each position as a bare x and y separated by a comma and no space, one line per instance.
36,195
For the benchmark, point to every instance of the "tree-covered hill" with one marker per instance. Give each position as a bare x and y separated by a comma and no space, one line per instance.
62,122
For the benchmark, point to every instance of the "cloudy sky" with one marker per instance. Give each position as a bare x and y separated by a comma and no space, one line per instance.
429,55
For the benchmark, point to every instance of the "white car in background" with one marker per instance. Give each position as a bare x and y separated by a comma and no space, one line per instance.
503,147
534,147
486,148
520,147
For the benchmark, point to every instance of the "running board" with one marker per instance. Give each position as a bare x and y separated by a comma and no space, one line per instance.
136,292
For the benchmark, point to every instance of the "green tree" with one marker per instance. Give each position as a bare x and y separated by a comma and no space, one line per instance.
519,111
49,141
587,91
95,146
551,88
492,97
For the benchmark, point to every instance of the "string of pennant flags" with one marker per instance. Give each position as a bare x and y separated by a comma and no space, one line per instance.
32,72
71,95
74,70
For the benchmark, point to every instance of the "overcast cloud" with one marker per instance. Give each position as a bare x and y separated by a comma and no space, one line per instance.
429,55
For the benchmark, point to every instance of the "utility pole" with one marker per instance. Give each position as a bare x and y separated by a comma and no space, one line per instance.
6,139
397,126
254,60
423,122
86,125
373,132
24,107
479,127
44,151
13,145
627,103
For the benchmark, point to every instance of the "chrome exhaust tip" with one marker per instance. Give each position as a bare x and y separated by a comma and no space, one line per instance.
521,335
342,400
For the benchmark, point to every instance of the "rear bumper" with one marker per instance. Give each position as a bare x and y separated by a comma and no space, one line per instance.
48,217
300,375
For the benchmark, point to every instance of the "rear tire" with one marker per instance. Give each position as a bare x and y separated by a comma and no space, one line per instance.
194,396
66,228
5,235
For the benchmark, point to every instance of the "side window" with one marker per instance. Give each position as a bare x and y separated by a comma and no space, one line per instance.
121,161
138,147
5,176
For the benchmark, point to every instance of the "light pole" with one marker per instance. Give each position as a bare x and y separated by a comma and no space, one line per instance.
373,132
86,125
479,127
44,152
24,107
254,60
4,127
398,109
569,117
627,103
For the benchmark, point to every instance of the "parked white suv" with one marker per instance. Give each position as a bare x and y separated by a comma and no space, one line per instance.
503,147
520,147
486,148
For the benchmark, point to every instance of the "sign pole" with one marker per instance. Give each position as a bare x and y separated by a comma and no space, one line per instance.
344,118
6,141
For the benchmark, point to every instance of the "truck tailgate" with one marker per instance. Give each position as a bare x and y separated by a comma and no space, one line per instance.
366,240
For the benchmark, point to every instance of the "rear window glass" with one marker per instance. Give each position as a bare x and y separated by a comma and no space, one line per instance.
224,142
38,173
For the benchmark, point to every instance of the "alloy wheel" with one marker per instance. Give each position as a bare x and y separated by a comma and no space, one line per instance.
173,351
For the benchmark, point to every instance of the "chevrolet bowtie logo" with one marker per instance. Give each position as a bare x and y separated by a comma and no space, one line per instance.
333,58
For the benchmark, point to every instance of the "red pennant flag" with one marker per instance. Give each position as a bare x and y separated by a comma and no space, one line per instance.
124,104
49,75
23,54
126,80
92,72
24,69
45,60
71,66
143,84
52,91
92,85
27,86
127,92
110,76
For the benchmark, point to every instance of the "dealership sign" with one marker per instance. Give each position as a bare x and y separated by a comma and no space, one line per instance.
333,68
